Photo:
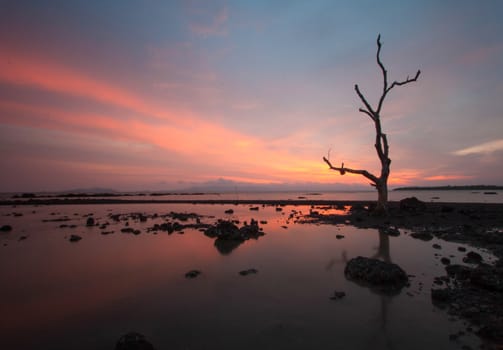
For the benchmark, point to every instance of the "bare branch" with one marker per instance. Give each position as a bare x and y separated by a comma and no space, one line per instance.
367,113
406,81
367,105
384,71
344,170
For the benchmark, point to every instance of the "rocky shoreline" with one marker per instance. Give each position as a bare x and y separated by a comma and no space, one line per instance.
473,292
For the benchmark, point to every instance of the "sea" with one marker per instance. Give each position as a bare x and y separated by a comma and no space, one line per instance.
61,292
461,196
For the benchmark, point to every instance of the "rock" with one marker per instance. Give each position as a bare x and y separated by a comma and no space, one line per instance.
445,261
487,277
339,236
383,277
424,236
248,272
130,230
459,272
133,341
472,258
74,238
412,204
462,249
192,274
229,211
6,228
337,295
90,221
437,246
440,295
390,231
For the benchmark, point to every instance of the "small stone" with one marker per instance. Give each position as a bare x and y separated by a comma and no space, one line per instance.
6,228
133,341
248,272
339,236
424,236
75,238
462,249
437,246
337,295
445,261
90,221
229,211
192,274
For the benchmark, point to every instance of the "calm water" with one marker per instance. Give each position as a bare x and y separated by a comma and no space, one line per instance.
61,295
427,196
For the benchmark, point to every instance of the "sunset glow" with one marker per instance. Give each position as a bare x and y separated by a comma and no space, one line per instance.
185,93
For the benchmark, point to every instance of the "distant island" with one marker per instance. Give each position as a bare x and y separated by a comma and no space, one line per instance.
451,188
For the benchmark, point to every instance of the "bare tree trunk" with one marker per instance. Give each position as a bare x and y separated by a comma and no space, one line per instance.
382,198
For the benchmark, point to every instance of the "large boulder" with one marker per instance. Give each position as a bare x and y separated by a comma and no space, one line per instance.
379,276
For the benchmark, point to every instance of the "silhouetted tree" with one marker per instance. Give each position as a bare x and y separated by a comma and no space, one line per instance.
381,141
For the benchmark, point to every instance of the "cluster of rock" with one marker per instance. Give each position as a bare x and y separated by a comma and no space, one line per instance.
476,294
228,230
229,236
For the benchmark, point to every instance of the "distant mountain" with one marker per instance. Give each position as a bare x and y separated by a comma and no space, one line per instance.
95,190
450,188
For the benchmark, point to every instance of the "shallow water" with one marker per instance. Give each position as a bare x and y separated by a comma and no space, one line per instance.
84,295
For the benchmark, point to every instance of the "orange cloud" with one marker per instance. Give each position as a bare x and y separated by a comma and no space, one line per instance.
447,177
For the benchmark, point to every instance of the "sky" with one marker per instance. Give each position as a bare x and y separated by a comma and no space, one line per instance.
159,95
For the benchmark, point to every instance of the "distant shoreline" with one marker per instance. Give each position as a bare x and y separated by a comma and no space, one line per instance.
450,188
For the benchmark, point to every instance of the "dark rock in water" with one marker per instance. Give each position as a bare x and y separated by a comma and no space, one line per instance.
390,231
462,249
445,261
74,238
248,272
412,204
90,221
223,229
487,277
192,274
440,295
459,272
337,295
380,276
339,236
254,208
133,341
437,246
446,209
472,258
279,209
6,228
229,211
424,236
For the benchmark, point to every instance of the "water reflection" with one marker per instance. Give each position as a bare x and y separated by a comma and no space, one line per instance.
381,335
